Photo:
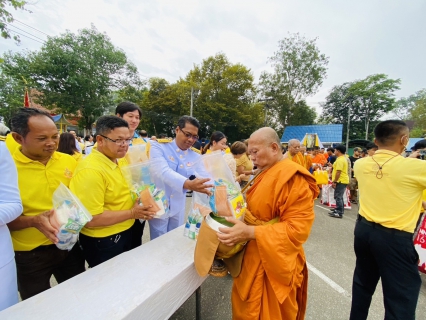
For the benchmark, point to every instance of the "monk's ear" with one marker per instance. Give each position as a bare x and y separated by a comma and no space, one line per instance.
275,147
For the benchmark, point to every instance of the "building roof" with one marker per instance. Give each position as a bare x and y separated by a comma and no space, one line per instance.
60,118
327,133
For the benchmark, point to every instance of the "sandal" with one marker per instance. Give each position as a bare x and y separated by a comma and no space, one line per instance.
218,269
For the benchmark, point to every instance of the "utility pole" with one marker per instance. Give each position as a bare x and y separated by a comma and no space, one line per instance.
347,129
266,108
192,100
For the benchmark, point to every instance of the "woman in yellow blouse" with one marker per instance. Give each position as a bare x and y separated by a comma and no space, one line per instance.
67,145
244,166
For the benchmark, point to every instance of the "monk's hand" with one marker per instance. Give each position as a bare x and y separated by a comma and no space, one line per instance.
239,233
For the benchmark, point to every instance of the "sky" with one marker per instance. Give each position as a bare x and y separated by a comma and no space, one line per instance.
165,38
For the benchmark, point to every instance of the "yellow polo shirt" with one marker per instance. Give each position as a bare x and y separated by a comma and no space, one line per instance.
341,164
11,144
394,200
100,185
37,182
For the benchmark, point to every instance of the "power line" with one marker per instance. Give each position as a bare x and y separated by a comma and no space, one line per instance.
32,35
30,27
27,36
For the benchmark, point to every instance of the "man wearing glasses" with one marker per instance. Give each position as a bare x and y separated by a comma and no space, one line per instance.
175,158
100,185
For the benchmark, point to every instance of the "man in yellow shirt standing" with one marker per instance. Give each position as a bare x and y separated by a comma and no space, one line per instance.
40,171
100,185
340,180
391,188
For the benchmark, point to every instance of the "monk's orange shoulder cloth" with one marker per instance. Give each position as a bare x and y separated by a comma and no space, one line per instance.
287,191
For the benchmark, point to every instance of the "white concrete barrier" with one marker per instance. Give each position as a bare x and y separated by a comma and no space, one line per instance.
149,282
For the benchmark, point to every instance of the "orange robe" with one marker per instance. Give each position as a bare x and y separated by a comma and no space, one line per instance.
304,161
273,279
319,158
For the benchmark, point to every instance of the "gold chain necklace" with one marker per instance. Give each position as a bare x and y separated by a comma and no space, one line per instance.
379,173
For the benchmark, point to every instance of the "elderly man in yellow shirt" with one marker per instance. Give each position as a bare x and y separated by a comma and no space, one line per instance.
100,185
40,171
391,188
340,179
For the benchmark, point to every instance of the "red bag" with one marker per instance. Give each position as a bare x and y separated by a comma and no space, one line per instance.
420,244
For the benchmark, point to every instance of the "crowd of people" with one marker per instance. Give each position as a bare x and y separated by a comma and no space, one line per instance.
279,186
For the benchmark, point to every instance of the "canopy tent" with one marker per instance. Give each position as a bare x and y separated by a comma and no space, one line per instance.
61,122
312,140
328,134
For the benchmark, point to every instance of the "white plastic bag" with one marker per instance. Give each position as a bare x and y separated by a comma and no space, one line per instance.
69,218
147,184
136,154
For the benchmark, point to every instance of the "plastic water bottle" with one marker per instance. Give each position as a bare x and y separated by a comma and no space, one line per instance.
192,227
187,225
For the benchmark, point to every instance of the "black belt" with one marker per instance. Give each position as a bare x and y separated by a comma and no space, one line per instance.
388,230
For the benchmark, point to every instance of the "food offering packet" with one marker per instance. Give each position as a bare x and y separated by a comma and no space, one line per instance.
69,218
226,199
147,184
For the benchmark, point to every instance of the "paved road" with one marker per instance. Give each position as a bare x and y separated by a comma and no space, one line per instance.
331,259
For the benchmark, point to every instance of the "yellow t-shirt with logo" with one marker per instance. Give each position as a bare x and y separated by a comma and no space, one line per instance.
37,182
341,164
100,185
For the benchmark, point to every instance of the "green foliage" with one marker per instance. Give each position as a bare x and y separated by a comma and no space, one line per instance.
404,106
299,70
368,100
76,73
417,133
11,96
6,17
418,112
223,100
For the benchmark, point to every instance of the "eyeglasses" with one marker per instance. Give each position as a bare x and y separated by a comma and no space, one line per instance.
189,135
118,141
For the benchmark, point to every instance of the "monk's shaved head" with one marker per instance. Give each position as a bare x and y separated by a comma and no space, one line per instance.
267,135
265,148
293,142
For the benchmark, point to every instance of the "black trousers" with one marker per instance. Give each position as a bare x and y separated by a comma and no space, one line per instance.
98,250
35,267
388,254
137,233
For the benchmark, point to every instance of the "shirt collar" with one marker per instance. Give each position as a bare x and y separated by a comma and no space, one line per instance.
102,158
19,156
387,152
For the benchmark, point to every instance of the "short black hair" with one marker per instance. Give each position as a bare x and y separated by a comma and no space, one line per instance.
387,131
162,135
330,149
188,119
105,124
127,106
371,145
20,119
341,148
143,133
421,144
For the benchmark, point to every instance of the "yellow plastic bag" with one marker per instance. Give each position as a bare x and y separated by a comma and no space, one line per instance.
321,176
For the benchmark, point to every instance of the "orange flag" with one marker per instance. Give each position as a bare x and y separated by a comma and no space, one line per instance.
26,99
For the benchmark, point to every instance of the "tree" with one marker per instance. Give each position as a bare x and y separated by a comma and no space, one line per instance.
299,70
224,97
366,101
11,96
6,17
75,73
418,112
404,106
375,97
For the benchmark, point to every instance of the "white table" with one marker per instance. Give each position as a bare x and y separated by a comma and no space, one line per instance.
149,282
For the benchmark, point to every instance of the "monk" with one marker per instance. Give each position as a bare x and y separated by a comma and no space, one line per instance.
273,280
294,153
319,157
